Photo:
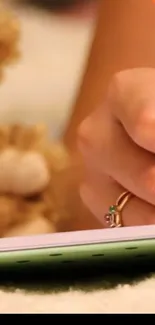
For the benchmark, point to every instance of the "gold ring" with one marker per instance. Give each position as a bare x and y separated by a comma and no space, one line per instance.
114,216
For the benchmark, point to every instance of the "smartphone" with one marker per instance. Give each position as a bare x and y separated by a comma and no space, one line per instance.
117,247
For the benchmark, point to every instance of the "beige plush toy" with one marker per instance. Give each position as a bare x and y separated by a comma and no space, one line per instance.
39,182
31,198
9,37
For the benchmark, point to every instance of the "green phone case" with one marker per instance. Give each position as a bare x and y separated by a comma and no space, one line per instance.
121,247
96,253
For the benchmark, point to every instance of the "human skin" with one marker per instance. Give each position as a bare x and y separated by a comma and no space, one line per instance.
117,138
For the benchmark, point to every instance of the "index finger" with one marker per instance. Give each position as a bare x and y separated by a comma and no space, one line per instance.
132,101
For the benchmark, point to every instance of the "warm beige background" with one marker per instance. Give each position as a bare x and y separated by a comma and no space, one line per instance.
42,86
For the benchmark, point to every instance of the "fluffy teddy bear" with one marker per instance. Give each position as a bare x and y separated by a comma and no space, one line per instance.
31,198
39,181
9,38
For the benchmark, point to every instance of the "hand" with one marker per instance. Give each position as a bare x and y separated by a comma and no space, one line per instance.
118,144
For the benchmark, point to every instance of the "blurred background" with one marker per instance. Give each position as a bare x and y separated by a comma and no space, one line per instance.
56,36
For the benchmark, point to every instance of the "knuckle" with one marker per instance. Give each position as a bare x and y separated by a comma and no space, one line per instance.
141,78
114,86
85,132
118,83
93,144
141,122
91,134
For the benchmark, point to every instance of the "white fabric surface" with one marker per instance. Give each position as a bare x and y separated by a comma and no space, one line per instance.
139,298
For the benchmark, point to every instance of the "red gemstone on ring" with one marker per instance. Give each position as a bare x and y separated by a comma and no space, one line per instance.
107,218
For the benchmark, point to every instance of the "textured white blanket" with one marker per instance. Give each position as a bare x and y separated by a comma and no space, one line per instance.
138,298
